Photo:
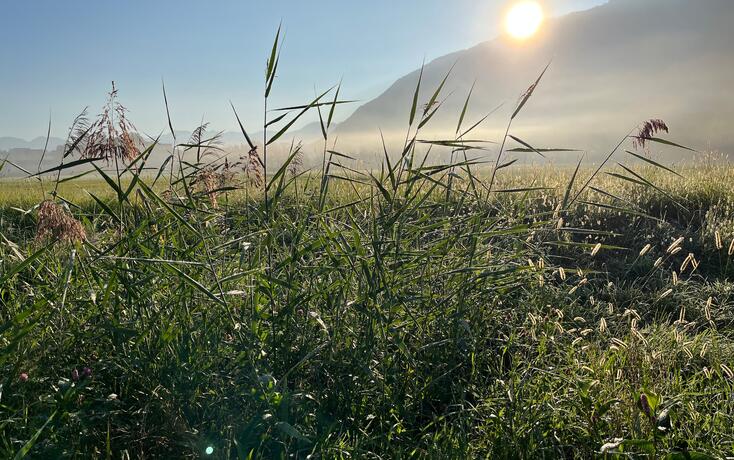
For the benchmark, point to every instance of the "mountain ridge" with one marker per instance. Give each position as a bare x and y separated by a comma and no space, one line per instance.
619,87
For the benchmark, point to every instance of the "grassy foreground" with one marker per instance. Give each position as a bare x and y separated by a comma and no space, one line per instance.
379,323
421,310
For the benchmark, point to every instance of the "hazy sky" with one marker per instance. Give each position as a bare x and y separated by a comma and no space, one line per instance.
60,56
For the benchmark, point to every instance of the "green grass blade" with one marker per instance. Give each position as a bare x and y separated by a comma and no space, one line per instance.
529,93
654,163
414,106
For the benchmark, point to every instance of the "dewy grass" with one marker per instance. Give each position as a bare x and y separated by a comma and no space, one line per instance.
416,310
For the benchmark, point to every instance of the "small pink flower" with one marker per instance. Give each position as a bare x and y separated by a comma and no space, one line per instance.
87,372
75,375
23,377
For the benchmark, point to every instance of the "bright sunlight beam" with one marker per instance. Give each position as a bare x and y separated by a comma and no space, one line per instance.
524,19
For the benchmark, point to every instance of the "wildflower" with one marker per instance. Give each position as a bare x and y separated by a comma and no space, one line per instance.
86,372
23,377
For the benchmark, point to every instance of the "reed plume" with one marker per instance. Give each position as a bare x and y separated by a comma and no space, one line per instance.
254,168
57,224
647,131
112,135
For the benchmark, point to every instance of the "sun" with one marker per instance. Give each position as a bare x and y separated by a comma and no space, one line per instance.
524,19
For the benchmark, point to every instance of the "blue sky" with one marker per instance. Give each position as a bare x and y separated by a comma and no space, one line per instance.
59,56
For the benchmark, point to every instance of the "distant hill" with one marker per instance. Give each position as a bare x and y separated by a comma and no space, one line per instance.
8,143
612,67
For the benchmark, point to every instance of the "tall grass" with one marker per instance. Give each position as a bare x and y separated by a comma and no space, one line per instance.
419,310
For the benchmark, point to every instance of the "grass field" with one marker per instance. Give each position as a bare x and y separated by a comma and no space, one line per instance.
375,323
418,310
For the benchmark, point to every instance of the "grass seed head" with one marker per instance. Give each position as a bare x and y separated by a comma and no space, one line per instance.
675,245
57,224
727,371
254,169
685,263
647,131
112,135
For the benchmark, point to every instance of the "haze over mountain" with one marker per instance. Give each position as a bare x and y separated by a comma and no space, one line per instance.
672,59
612,67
